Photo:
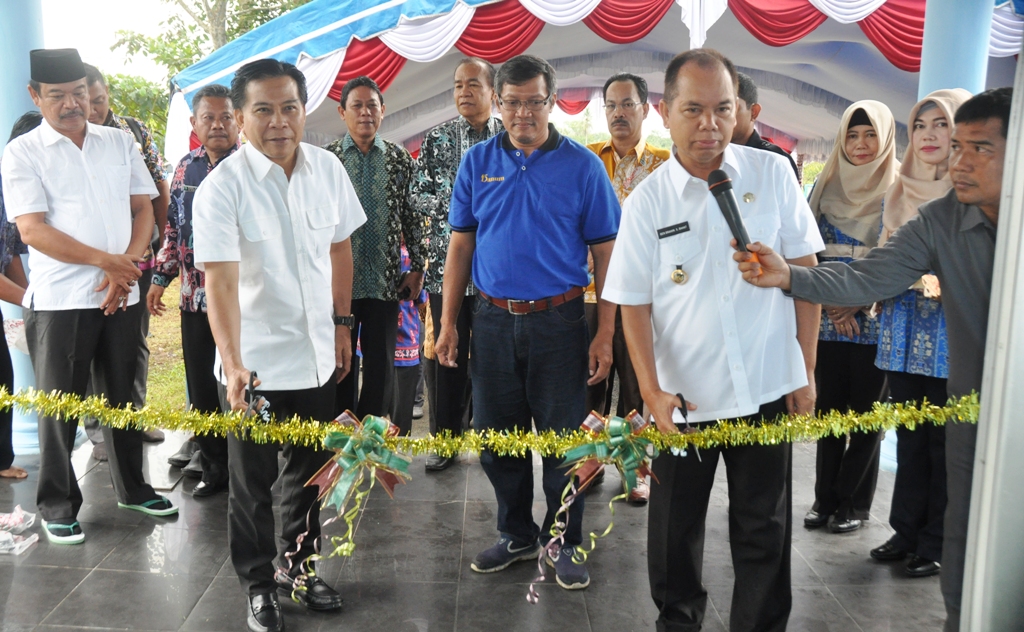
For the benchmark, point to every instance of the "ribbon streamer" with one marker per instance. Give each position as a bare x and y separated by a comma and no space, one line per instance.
613,441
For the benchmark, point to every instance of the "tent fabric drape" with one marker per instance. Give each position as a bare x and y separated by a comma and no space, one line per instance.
572,107
897,30
1006,32
372,58
427,39
625,21
777,22
847,11
560,12
498,32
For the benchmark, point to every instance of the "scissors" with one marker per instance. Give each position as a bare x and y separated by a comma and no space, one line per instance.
687,428
257,405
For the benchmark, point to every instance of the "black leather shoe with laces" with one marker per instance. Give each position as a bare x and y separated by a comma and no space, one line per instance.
264,614
922,567
888,552
317,595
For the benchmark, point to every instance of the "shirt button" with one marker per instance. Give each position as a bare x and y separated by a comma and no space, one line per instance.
518,154
717,229
725,298
524,167
718,264
679,257
738,367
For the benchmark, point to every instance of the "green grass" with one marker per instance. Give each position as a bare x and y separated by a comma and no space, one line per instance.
165,387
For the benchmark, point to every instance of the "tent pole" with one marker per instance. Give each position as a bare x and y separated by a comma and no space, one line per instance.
21,30
955,49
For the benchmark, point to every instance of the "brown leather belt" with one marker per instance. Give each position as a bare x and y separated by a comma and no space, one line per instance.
528,307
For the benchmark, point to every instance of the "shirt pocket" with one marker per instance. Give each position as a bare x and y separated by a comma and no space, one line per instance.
678,250
322,221
763,228
259,228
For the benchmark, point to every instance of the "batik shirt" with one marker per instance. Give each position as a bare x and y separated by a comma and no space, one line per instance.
868,326
176,254
440,155
10,238
382,179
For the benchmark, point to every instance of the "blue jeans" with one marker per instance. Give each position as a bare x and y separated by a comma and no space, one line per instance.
527,367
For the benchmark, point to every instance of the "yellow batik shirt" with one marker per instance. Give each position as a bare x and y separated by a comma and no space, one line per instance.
625,173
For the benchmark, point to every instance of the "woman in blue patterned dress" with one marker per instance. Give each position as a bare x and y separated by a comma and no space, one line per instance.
847,200
912,347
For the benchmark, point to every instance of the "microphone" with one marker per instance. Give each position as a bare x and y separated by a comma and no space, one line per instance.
720,186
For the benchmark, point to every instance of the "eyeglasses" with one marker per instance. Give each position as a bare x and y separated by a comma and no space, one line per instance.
627,106
533,105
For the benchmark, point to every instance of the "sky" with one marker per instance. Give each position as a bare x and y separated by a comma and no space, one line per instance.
67,25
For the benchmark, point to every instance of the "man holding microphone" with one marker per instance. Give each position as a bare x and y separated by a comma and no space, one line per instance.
693,326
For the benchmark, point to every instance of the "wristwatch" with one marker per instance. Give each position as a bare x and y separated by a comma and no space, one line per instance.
345,321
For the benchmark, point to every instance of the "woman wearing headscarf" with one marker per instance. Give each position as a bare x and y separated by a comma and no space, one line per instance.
847,200
912,347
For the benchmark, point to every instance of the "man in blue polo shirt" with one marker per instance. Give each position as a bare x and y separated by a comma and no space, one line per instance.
525,207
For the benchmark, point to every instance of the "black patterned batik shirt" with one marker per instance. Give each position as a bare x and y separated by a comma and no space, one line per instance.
382,179
440,155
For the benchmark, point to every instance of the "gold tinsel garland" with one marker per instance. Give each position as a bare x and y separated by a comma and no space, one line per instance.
786,429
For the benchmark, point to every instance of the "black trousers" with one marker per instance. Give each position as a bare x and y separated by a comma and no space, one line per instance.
376,329
961,441
760,533
6,415
919,493
253,469
599,396
407,379
453,392
199,350
92,426
67,348
848,380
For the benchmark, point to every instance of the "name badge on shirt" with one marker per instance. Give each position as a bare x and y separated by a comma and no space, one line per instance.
188,188
674,229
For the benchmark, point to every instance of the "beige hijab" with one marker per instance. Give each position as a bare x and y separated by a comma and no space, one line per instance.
916,183
850,197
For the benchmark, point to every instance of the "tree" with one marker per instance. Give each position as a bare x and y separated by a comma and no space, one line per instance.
142,99
200,27
580,129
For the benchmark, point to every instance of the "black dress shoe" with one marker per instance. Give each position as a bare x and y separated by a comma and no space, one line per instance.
184,455
317,595
205,489
921,567
437,463
265,614
194,469
813,519
888,553
844,526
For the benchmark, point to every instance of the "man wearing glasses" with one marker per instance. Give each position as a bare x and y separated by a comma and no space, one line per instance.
628,159
525,207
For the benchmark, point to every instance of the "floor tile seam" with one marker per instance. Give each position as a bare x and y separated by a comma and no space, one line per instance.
64,598
808,563
845,610
192,609
717,612
86,627
462,550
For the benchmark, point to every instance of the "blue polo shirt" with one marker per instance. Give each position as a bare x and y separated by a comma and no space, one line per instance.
533,216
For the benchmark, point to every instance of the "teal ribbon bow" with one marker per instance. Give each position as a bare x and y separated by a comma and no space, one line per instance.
617,442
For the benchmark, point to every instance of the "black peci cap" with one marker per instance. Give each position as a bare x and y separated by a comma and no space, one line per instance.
56,65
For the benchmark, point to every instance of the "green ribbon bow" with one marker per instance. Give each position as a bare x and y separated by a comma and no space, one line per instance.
619,443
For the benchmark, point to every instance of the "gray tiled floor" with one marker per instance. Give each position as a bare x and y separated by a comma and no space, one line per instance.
410,571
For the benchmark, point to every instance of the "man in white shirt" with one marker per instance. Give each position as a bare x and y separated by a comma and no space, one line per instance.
271,231
81,196
693,328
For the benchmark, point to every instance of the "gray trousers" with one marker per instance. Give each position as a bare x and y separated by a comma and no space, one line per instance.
92,427
68,348
960,441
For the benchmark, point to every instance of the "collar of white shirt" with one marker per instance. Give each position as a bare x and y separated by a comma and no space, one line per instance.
681,177
261,165
51,136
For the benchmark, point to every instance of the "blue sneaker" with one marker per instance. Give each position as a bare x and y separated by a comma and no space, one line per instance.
569,574
504,554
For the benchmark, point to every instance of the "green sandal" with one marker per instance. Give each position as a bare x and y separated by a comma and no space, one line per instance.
159,506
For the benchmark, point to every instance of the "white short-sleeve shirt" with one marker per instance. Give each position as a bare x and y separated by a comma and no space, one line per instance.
85,193
726,345
280,232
